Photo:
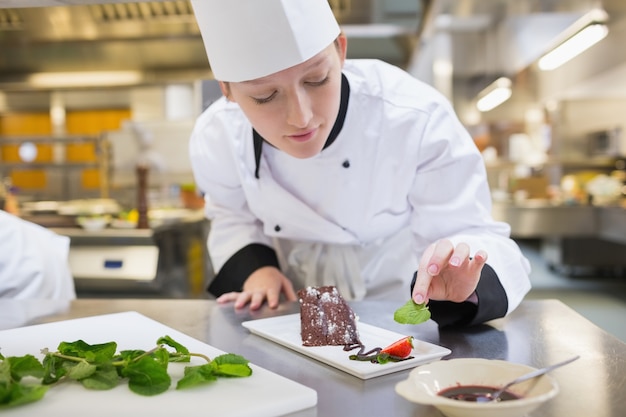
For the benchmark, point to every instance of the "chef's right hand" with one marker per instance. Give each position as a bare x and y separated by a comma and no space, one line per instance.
265,283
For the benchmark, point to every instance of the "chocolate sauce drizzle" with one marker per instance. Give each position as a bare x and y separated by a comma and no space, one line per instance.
372,355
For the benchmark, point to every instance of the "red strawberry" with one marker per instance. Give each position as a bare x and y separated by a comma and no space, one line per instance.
401,348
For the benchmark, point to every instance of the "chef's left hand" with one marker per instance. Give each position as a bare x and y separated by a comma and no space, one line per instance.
264,284
447,273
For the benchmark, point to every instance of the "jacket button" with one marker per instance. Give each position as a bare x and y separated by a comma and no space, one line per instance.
346,164
277,228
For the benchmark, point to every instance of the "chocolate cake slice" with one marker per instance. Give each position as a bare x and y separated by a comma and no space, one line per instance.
326,319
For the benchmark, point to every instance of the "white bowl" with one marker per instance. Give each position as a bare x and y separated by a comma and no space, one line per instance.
93,224
426,381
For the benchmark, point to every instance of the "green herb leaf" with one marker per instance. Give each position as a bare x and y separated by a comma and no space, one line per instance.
102,379
12,370
412,313
183,352
196,375
81,370
226,365
231,365
129,355
147,376
23,366
98,353
383,358
53,369
15,394
5,373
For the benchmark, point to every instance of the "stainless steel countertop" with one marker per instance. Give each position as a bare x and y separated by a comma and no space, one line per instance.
538,333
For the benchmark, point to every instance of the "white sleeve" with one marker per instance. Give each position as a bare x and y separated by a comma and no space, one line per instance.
33,261
215,167
452,200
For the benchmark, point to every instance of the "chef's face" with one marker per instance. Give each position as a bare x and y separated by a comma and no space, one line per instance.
295,109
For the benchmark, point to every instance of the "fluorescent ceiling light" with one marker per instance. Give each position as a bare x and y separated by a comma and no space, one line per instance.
578,43
84,79
380,30
494,94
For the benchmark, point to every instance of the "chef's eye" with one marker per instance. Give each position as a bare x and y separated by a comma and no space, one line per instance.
263,100
318,83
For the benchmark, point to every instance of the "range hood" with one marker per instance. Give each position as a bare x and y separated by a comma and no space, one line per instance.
160,39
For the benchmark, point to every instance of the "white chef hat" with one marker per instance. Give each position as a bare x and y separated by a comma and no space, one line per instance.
249,39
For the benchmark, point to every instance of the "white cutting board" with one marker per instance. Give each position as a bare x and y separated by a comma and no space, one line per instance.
262,394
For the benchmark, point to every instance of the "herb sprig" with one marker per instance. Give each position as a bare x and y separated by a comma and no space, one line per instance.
412,313
24,379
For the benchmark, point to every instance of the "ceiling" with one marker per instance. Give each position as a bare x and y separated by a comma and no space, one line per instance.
160,39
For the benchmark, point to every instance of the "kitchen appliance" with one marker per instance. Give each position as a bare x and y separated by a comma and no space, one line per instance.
610,142
168,261
114,260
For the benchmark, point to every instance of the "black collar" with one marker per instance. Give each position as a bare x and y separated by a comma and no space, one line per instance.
341,117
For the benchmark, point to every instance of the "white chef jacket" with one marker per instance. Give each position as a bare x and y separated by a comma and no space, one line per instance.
402,173
33,261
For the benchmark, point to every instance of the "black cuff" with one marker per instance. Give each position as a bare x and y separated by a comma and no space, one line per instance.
240,266
492,303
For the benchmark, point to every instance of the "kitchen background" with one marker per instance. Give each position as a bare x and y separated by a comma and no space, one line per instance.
90,89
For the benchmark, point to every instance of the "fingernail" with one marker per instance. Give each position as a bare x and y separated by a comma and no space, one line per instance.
455,261
433,269
419,298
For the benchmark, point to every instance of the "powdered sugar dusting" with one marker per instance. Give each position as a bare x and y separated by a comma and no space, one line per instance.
326,318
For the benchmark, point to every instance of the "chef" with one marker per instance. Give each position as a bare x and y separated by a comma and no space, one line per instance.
33,261
319,170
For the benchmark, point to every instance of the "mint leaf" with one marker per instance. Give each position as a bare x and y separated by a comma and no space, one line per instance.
196,375
182,352
147,376
81,370
230,364
412,313
102,379
98,353
23,366
226,365
15,394
53,369
12,370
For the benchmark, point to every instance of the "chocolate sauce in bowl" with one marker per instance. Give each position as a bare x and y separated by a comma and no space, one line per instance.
475,393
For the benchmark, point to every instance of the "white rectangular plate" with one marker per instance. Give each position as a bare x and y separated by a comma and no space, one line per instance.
285,330
265,393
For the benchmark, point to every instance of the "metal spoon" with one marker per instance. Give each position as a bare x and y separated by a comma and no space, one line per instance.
496,395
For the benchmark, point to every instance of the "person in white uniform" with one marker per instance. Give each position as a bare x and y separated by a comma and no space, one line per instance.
319,170
33,261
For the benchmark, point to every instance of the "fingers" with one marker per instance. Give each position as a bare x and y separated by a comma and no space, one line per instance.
241,299
290,293
460,256
442,251
227,297
257,298
422,281
479,260
446,272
